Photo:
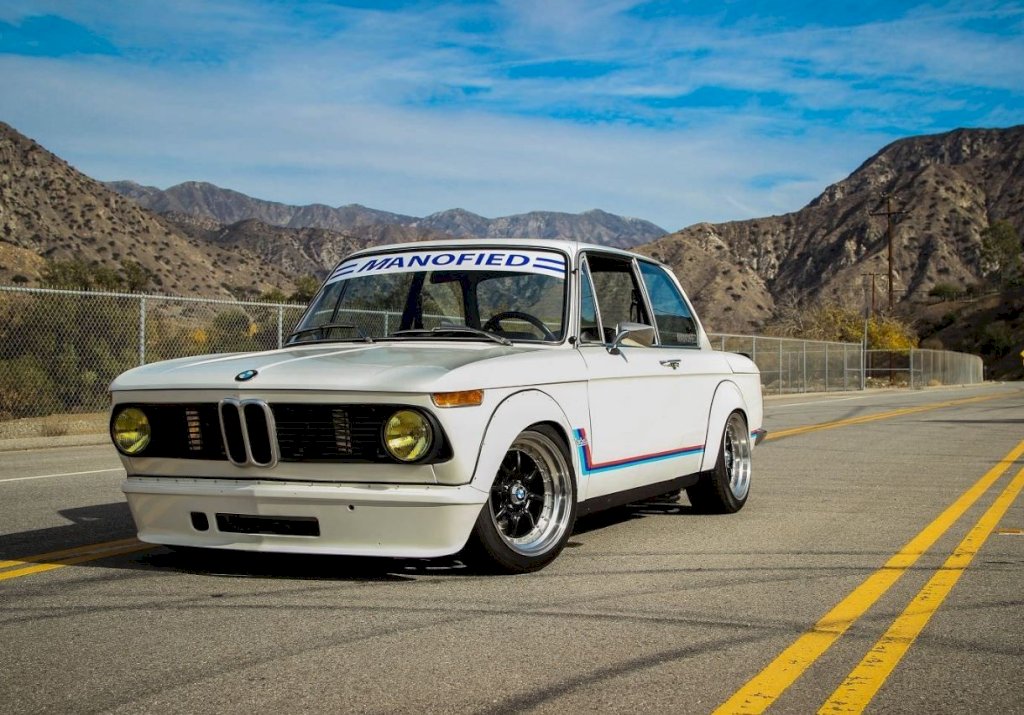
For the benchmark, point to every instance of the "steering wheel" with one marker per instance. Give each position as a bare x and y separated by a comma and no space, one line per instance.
494,322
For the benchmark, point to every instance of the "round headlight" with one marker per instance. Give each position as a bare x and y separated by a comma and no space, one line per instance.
130,430
408,435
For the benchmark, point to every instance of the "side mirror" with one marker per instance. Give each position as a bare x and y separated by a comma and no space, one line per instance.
638,333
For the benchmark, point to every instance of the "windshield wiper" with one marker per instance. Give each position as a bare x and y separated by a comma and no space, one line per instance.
323,329
454,329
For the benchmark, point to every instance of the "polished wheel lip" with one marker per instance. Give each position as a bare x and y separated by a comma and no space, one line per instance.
533,484
736,455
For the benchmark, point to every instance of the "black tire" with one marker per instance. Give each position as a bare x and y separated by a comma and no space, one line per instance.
724,490
531,510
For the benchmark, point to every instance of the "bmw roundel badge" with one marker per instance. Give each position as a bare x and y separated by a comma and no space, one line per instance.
245,375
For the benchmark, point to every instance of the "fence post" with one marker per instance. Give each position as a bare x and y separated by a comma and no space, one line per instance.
863,367
826,367
804,366
911,368
846,369
280,327
142,330
780,367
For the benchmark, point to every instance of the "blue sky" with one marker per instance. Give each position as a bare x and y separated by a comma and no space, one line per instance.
676,112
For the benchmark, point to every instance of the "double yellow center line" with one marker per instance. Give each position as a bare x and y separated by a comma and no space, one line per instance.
28,565
860,686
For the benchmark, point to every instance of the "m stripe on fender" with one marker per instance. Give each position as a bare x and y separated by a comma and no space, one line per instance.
590,467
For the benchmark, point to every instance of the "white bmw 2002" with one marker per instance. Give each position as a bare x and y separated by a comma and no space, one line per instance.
439,398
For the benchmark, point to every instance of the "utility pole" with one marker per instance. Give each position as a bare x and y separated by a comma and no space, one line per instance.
873,277
889,213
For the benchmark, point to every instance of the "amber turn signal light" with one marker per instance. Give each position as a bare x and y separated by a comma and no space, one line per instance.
466,398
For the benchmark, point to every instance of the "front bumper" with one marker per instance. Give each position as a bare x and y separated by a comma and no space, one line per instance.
362,520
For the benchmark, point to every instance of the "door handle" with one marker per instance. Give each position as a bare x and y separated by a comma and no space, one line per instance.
674,364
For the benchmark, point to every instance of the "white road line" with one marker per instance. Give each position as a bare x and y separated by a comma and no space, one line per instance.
65,474
828,400
823,401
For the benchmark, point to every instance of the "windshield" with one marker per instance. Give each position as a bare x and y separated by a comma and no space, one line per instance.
453,294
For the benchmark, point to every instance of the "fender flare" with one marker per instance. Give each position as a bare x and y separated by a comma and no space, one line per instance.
727,399
514,414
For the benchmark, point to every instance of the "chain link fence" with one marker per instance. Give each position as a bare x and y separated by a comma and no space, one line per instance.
790,365
60,349
922,368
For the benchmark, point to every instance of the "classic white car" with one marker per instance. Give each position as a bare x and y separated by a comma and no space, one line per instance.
438,398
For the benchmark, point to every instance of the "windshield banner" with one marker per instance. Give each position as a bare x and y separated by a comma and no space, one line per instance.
545,263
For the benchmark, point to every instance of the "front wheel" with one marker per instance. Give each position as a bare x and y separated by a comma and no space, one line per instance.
724,489
531,509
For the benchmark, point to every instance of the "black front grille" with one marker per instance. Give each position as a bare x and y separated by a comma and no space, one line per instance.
305,432
184,431
310,433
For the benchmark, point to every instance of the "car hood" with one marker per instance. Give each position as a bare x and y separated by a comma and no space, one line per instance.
379,367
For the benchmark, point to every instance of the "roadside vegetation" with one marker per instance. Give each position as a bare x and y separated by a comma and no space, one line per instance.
58,353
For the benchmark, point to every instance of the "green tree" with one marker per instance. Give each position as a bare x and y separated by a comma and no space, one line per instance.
1001,253
305,288
274,295
135,276
105,278
67,274
944,291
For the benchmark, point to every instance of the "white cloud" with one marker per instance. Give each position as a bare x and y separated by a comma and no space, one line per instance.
343,105
156,128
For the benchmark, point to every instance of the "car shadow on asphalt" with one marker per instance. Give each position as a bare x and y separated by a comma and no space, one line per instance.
86,525
659,506
103,523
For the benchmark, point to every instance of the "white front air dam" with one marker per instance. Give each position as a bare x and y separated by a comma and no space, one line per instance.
358,520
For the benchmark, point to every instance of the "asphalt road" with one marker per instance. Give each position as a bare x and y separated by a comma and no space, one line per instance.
877,565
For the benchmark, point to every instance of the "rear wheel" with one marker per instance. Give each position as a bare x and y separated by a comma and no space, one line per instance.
531,509
724,489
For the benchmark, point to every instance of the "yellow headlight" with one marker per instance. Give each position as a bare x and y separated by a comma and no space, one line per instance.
408,436
131,430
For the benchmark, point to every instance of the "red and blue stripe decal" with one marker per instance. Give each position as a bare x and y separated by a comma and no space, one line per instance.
590,467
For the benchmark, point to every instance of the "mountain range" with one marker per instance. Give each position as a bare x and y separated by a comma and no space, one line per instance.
196,238
205,200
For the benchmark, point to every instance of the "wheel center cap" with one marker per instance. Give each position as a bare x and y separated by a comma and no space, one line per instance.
518,494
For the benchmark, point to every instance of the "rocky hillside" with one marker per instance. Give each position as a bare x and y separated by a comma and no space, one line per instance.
48,210
950,187
295,251
227,207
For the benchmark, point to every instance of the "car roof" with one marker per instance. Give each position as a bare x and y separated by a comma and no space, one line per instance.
571,247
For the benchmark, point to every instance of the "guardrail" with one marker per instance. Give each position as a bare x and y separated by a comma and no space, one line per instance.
60,349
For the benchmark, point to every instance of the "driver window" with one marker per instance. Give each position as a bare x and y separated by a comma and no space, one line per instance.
619,298
676,325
